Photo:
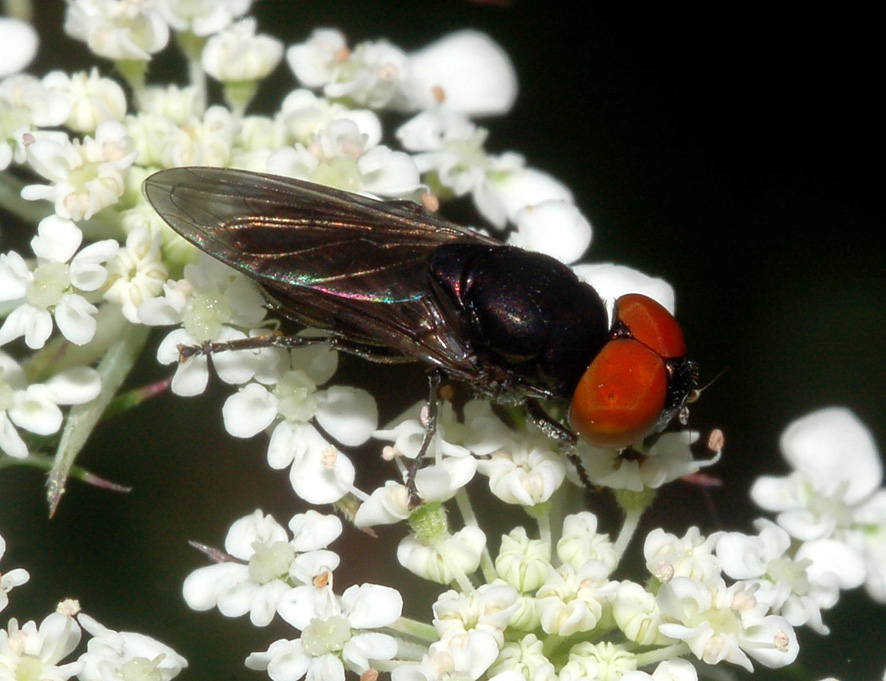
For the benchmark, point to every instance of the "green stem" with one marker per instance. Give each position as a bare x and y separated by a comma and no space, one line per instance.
661,654
11,200
420,632
628,529
463,502
83,418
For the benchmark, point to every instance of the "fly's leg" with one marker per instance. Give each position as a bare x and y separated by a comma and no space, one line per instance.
558,431
366,351
435,378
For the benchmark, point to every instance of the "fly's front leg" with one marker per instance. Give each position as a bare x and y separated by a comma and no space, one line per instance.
558,431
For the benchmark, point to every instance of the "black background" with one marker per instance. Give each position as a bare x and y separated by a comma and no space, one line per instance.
733,151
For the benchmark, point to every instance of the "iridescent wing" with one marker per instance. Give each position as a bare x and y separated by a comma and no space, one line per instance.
352,265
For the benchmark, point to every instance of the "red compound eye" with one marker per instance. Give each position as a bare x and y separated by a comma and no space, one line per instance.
621,396
651,324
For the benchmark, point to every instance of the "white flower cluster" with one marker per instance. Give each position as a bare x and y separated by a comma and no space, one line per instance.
39,651
548,603
265,573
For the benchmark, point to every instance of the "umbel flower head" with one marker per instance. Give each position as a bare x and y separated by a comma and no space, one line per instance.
561,594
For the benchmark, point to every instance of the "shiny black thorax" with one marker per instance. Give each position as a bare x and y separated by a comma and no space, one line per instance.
523,312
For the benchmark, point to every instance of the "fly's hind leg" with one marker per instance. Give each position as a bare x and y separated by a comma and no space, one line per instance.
435,378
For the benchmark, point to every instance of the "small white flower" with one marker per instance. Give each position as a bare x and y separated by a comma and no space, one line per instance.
523,659
440,560
126,655
314,61
304,114
526,471
9,579
213,303
464,71
117,29
202,17
669,556
201,141
136,273
18,45
336,633
319,473
33,652
471,627
580,542
86,175
669,458
574,601
603,660
449,145
340,157
26,104
837,467
56,286
177,104
636,612
369,75
523,562
800,587
509,187
237,54
35,407
93,99
721,623
271,564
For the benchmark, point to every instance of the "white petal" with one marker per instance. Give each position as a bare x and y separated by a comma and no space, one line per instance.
75,318
190,377
389,173
87,270
34,323
251,528
471,71
556,228
833,559
18,45
249,411
369,646
312,530
11,442
612,281
370,606
740,555
74,386
386,505
350,415
14,276
832,446
202,586
234,367
36,412
527,187
282,446
57,239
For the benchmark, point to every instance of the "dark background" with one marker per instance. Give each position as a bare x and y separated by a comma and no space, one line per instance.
730,152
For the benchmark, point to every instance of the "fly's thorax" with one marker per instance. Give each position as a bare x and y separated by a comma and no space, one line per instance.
524,312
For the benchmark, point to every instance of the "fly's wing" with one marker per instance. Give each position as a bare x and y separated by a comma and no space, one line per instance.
350,264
